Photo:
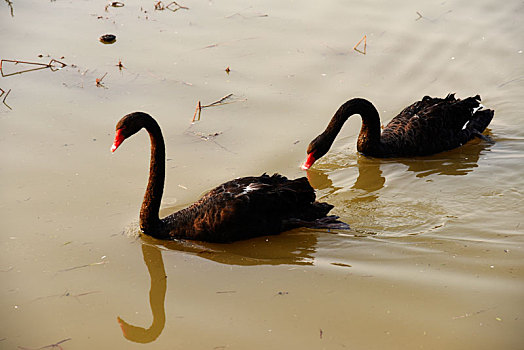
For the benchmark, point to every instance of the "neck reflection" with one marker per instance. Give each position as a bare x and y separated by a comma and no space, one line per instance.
157,294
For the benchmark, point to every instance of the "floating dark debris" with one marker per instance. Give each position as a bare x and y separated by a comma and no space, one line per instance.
108,38
120,65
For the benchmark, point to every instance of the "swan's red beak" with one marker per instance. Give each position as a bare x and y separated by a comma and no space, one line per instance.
119,138
309,162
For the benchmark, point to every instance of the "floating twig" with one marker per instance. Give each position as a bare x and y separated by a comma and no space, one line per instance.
55,345
238,14
66,294
225,43
420,16
468,314
198,109
10,4
3,101
82,266
160,6
53,64
220,102
99,81
365,44
205,137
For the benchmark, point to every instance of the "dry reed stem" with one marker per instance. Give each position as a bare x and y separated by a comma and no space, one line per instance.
49,65
219,102
3,101
55,345
365,44
99,80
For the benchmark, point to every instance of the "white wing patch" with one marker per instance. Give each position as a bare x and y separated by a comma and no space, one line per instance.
249,188
476,109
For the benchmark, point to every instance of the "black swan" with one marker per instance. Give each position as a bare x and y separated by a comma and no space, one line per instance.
429,126
238,209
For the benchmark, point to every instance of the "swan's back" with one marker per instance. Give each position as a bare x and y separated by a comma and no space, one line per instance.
249,207
434,125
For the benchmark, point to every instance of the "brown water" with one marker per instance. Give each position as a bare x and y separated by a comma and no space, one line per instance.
435,257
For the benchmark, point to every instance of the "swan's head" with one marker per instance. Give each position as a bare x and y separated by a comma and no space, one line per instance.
128,126
316,149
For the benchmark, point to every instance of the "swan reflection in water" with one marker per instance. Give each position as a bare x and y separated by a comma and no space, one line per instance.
362,199
157,295
294,247
457,162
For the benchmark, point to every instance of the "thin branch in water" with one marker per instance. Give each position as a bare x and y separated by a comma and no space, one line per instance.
220,102
225,43
55,345
468,314
3,101
159,6
238,14
53,64
365,44
10,4
66,294
82,266
99,81
197,110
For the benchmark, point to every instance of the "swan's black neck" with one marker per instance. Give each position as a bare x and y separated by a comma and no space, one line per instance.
149,212
369,138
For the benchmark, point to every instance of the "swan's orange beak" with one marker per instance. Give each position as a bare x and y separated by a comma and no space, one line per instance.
119,138
309,161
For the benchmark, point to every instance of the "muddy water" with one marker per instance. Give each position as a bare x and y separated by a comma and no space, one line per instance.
435,255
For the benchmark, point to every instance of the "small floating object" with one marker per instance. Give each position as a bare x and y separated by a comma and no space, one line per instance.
108,38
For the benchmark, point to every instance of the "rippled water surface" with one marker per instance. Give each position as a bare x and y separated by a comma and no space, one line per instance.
434,259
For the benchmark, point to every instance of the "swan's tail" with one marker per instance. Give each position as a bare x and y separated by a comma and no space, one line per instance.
480,120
